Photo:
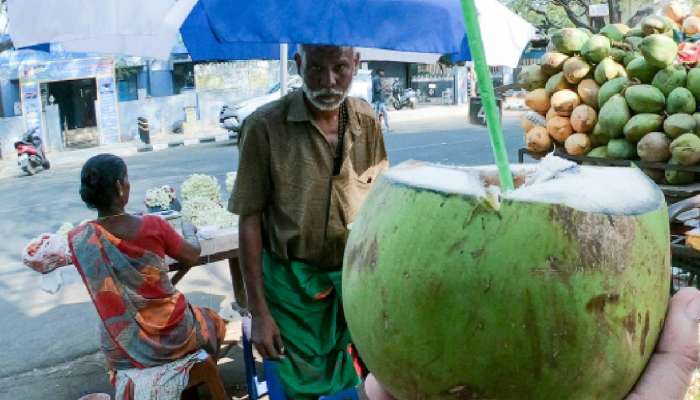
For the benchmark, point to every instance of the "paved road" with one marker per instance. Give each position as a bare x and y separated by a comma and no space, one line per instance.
42,331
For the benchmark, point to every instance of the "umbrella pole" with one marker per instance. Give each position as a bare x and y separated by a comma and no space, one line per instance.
488,96
284,54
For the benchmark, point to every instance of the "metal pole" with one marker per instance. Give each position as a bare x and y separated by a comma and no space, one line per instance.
284,53
488,96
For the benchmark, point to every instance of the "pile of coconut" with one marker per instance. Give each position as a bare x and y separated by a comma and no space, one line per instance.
619,94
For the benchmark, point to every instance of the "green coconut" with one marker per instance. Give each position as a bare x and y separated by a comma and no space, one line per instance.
654,24
641,70
596,48
629,57
653,147
633,41
658,50
611,88
696,116
607,70
686,149
598,152
552,62
615,32
641,124
680,101
614,115
678,124
550,296
669,78
599,137
634,32
532,77
621,149
575,69
693,82
645,99
674,177
556,82
618,55
569,40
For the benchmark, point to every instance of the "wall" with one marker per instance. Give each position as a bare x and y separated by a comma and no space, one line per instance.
9,91
11,129
161,113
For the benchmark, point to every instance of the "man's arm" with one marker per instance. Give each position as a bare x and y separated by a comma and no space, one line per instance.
265,334
249,199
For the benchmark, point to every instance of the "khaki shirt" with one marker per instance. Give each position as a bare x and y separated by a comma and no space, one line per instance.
285,174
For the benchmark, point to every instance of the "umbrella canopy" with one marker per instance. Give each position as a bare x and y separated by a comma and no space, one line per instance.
242,30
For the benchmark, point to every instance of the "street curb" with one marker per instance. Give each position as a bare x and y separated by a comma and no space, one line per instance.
142,148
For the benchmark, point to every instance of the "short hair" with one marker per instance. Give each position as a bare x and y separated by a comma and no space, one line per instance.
302,52
98,180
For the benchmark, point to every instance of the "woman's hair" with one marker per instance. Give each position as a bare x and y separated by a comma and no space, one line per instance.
98,180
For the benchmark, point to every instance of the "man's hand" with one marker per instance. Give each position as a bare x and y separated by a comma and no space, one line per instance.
266,337
668,373
670,368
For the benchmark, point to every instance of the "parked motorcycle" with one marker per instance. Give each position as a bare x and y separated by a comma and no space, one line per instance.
30,153
401,98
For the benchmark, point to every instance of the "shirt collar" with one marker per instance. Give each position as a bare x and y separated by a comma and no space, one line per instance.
299,112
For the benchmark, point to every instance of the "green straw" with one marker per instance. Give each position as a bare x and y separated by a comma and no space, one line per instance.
488,96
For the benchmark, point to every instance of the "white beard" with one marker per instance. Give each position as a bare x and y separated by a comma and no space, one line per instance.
312,96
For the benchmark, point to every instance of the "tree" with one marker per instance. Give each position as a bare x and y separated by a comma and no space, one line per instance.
548,14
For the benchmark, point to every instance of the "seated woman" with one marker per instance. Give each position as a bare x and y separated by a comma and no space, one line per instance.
145,321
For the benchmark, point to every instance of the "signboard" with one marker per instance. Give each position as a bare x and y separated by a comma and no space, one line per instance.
108,113
31,107
598,10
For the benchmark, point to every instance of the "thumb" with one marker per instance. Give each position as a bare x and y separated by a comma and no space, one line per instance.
670,368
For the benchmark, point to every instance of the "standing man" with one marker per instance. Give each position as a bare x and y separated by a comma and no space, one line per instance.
307,163
379,99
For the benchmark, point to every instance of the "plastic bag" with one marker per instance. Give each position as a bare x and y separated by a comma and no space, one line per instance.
46,253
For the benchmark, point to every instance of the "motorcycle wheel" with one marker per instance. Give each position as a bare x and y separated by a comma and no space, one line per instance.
46,164
397,105
28,170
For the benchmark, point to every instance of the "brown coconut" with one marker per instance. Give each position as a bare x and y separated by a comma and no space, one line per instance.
531,119
575,69
564,102
538,100
552,62
583,118
559,128
538,140
674,12
588,92
578,144
691,25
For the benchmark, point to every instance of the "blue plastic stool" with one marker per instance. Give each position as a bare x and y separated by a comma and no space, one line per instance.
272,385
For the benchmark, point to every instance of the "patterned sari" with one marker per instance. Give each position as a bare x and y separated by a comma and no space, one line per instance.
146,322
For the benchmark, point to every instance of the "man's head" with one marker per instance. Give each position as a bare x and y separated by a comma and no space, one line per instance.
327,72
380,72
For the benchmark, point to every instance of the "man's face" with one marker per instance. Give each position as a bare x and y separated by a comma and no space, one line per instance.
327,73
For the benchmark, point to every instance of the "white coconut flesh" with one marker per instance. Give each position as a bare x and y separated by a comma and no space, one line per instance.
554,180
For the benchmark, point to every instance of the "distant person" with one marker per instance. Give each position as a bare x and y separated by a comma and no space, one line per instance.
144,321
379,98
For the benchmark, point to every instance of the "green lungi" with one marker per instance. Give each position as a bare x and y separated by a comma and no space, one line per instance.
305,302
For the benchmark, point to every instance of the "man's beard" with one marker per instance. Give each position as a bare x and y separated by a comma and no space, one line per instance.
325,105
